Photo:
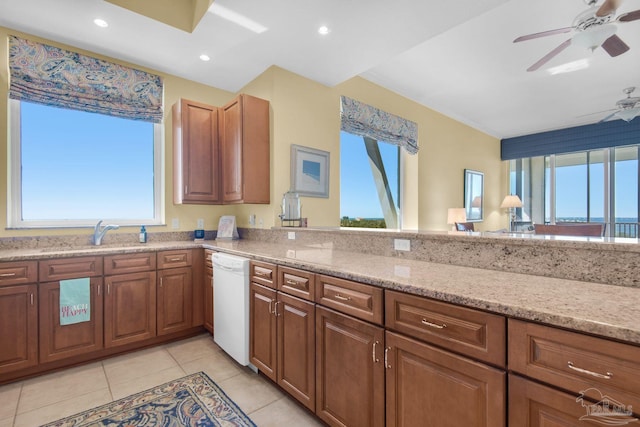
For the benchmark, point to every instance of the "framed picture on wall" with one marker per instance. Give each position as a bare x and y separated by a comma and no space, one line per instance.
309,171
474,195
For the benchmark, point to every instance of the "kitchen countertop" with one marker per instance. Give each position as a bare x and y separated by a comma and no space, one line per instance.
600,309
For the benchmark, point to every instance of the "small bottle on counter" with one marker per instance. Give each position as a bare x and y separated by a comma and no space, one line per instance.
143,235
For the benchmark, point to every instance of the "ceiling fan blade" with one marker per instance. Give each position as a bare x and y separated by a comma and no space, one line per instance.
549,55
630,16
615,46
543,34
608,117
608,7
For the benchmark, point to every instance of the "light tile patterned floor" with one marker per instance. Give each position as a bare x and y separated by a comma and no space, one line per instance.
49,397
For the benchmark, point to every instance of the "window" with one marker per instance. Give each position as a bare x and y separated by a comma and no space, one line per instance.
73,168
369,183
589,186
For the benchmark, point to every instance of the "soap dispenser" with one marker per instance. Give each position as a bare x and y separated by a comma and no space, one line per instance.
143,235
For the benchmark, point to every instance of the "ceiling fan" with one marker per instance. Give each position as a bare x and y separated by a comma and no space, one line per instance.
593,28
626,109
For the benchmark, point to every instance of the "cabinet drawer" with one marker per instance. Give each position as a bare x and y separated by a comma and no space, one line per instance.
357,299
471,332
576,362
70,268
263,273
18,272
208,263
172,259
296,282
129,263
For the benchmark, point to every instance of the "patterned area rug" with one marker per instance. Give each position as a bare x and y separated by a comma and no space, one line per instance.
194,400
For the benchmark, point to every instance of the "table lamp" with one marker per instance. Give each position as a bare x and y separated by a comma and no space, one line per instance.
511,202
456,215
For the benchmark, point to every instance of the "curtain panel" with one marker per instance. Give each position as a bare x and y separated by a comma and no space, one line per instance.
364,120
52,76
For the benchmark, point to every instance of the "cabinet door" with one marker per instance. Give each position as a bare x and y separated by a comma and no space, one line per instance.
208,299
428,386
262,329
534,405
59,342
296,348
18,327
231,149
175,300
349,370
129,308
196,163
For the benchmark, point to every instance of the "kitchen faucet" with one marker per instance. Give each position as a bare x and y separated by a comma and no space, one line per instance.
99,233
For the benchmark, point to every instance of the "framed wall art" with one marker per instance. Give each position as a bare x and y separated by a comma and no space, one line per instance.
309,171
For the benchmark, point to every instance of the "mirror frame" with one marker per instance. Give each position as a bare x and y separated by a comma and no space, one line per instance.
473,189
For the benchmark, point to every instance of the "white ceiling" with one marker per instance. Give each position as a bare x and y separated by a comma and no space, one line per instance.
457,57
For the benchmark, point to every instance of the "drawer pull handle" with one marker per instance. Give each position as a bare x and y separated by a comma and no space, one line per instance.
340,297
260,274
373,352
433,325
275,308
7,274
606,376
31,297
292,282
271,307
175,259
386,358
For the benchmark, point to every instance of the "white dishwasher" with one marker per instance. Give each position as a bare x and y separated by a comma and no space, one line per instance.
231,305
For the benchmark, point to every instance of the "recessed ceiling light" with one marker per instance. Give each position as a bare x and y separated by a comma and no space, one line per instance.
324,30
237,18
205,57
101,23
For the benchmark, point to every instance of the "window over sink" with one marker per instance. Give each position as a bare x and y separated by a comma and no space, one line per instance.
71,168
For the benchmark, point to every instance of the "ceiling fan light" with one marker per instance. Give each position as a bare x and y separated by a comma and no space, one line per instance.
629,114
593,37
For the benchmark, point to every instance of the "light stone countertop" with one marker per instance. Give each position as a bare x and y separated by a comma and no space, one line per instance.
600,309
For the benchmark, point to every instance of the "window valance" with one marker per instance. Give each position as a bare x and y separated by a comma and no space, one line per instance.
52,76
364,120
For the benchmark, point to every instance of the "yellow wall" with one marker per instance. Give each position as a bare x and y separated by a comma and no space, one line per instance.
307,113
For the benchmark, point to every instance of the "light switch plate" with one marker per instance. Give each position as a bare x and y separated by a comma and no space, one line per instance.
175,223
200,224
291,235
402,244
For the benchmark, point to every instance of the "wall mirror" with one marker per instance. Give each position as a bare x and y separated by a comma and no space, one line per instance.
474,195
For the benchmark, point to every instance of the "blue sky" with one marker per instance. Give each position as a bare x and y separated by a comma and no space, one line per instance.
98,181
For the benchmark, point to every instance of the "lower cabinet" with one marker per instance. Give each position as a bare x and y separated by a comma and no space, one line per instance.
59,342
175,300
208,291
428,386
349,370
282,343
535,405
129,308
19,327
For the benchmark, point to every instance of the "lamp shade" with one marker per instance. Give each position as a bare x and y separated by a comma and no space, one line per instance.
456,215
511,201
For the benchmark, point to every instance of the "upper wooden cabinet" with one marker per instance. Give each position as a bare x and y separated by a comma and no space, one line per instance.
245,150
196,174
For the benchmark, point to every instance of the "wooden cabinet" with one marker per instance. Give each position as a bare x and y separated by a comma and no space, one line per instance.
207,286
245,150
282,339
196,175
130,299
18,315
58,341
428,386
18,327
349,370
175,291
349,297
597,369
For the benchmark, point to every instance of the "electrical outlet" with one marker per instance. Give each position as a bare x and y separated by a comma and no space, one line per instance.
402,244
200,224
260,222
291,235
252,220
175,223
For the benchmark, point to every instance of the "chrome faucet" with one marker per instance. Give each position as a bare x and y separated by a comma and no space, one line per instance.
98,233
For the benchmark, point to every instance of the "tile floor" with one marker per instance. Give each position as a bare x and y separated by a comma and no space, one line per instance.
49,397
